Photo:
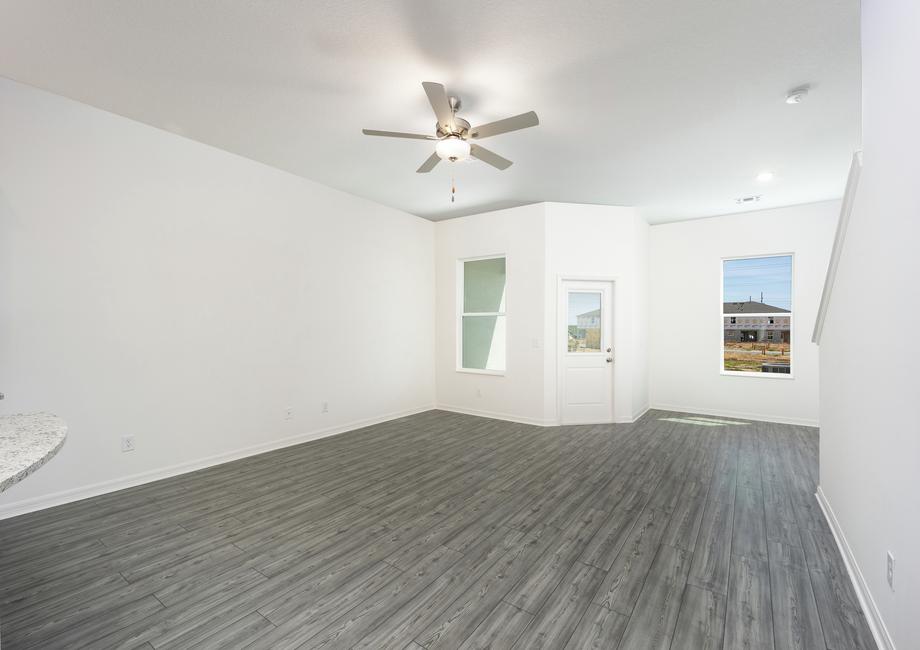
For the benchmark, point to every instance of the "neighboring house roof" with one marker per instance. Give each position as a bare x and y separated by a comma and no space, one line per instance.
596,312
751,307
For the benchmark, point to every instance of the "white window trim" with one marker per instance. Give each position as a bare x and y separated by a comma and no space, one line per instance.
461,314
722,315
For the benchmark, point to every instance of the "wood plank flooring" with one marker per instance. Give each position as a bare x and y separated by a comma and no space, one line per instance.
442,530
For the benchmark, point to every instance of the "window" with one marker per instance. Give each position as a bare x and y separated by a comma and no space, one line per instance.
584,323
482,315
758,292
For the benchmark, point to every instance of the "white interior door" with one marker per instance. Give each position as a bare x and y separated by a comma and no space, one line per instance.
586,352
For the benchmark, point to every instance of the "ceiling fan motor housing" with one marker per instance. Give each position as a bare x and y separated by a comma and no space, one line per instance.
461,128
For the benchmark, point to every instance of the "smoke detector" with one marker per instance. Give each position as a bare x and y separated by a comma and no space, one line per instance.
797,95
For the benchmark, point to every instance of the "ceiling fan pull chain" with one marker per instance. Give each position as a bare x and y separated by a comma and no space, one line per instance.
453,189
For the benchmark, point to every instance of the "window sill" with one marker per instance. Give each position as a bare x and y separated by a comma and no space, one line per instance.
474,371
760,375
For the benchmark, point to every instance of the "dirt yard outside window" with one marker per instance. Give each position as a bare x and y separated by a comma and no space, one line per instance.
750,356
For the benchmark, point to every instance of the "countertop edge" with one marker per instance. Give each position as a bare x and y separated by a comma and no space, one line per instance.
60,426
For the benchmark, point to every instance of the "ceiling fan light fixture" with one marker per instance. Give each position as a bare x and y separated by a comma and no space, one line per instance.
453,148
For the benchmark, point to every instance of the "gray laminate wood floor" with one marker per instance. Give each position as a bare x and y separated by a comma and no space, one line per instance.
449,531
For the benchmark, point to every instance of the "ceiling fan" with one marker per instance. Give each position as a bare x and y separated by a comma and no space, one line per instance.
453,134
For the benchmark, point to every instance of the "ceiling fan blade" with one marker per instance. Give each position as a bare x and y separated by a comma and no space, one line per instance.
522,121
429,164
397,134
437,96
489,157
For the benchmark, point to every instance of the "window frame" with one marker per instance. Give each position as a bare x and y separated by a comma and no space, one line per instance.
461,271
723,315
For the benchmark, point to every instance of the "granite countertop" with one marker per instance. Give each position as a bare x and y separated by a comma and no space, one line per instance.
27,441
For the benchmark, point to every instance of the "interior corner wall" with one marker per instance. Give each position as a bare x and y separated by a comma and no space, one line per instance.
517,233
596,241
870,432
685,316
154,286
542,242
642,353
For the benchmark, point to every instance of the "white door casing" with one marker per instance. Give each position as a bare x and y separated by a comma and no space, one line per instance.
585,349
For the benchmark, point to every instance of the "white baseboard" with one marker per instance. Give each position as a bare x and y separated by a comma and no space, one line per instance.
508,417
873,615
84,492
742,415
527,420
635,418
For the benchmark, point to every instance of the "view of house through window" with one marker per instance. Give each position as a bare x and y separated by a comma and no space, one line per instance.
482,319
584,322
757,315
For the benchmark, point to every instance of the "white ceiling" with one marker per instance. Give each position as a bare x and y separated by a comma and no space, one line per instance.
673,106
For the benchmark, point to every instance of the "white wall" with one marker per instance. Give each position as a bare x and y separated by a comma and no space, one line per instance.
542,242
685,319
154,286
586,241
870,431
517,233
641,394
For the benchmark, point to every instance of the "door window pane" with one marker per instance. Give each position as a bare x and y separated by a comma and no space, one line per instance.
584,321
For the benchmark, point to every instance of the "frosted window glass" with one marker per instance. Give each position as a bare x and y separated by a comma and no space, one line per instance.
482,320
484,286
484,342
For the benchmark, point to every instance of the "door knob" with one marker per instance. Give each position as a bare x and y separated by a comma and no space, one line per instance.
609,350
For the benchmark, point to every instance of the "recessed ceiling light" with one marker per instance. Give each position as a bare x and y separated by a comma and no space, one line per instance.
745,200
797,95
765,177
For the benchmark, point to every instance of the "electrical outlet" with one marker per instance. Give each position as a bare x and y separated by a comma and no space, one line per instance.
289,413
891,570
127,443
325,407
